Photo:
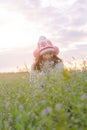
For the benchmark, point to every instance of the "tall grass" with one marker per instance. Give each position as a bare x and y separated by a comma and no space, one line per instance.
47,101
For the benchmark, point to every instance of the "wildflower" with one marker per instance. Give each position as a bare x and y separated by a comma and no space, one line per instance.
7,104
21,106
19,116
46,111
84,96
58,105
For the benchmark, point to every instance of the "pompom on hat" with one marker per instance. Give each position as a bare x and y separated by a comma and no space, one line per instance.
45,45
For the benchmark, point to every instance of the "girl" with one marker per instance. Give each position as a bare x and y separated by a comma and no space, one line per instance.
46,56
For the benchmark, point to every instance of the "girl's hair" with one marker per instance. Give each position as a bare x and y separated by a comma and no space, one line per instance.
38,62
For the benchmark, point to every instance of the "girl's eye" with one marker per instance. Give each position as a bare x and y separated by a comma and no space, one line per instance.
50,53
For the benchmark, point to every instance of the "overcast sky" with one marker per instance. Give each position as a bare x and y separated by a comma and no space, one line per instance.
22,22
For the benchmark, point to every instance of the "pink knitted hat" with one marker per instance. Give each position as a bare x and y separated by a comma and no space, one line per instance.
45,45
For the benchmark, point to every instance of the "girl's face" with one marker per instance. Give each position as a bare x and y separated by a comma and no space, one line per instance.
48,56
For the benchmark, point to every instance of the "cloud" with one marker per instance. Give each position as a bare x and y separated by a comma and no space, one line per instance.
79,52
73,35
53,19
61,24
69,26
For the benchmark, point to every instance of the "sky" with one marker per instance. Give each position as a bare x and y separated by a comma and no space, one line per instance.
22,22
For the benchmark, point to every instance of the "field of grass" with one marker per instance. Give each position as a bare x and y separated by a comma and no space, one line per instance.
47,101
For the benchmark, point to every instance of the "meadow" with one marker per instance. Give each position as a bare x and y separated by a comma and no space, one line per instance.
48,101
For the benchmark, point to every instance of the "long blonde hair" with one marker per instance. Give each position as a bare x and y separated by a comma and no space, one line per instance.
38,62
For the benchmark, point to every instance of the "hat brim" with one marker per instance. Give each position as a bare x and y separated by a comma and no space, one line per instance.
38,52
46,50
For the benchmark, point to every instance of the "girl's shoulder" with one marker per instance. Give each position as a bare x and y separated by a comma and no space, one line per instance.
60,66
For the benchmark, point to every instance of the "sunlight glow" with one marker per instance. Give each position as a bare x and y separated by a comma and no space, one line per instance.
15,30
